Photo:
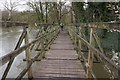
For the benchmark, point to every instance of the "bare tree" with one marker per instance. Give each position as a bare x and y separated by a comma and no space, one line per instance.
37,6
10,6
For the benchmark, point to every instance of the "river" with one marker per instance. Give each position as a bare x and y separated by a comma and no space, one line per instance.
9,38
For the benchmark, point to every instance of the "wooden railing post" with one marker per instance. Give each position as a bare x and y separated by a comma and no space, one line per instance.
79,44
98,42
70,33
74,36
27,51
76,39
90,55
43,45
40,32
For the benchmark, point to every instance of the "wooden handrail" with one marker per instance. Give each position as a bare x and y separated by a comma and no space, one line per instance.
16,52
73,33
15,23
34,59
24,33
97,51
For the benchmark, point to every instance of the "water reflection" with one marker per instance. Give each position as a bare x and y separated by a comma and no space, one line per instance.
8,40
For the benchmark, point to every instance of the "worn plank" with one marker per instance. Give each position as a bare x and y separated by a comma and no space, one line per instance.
61,61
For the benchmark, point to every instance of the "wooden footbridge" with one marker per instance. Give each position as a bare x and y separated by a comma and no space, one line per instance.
60,61
60,54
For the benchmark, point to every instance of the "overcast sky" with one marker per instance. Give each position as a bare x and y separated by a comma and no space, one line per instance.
20,7
22,3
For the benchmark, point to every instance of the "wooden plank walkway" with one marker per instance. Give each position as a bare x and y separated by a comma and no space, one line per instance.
61,61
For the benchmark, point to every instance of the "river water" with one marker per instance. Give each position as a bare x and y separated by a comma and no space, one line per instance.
8,40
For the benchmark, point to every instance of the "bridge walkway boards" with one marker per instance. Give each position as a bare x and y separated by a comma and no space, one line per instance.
61,61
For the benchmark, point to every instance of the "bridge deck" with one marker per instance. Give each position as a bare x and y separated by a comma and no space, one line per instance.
61,61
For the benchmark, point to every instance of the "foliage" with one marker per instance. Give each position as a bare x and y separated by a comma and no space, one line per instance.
38,8
96,11
25,16
79,11
10,7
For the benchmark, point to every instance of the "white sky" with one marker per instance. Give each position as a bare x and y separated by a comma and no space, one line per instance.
22,3
20,7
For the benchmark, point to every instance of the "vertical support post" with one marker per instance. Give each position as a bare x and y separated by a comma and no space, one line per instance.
27,51
39,35
46,38
71,17
77,40
49,38
79,43
70,33
98,42
97,39
90,56
43,46
74,36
